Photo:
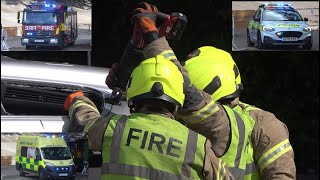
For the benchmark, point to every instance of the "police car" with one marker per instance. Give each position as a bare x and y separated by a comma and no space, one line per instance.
278,24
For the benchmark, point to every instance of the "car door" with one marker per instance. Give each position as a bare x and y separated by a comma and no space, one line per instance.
38,106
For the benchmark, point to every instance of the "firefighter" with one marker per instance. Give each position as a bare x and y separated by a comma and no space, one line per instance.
149,143
262,157
261,137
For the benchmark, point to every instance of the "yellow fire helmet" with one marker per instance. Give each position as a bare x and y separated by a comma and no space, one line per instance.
156,78
214,71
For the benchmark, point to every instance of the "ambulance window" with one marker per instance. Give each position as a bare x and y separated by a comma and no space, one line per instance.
37,153
31,152
24,151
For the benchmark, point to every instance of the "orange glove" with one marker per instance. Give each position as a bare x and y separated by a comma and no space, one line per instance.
144,30
69,99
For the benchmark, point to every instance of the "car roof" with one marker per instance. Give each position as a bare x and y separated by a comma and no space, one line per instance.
62,73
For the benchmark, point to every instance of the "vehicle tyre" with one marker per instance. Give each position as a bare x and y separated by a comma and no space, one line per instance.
21,173
260,44
307,46
249,42
42,175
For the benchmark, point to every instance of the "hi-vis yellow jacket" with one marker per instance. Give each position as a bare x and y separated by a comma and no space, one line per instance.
147,146
273,155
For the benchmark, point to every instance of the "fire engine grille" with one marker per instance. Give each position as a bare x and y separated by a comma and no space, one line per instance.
289,34
39,33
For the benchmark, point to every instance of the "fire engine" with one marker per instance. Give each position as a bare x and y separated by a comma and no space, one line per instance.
48,25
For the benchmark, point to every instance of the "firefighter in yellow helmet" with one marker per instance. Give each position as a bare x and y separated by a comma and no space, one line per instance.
256,141
148,144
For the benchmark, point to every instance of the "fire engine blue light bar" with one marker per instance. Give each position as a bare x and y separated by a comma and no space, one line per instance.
50,5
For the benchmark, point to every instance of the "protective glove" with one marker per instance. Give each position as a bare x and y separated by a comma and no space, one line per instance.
144,30
112,79
69,99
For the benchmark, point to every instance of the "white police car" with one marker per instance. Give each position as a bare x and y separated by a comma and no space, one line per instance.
278,24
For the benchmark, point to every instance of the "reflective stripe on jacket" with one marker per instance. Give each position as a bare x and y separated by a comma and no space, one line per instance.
139,146
239,156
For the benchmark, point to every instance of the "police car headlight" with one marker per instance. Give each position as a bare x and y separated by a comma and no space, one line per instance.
48,163
71,164
267,28
25,40
53,40
307,29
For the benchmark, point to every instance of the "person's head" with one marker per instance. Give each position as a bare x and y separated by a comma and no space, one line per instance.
214,71
155,83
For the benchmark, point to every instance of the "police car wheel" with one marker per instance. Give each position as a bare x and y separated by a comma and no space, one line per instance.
21,173
249,42
260,44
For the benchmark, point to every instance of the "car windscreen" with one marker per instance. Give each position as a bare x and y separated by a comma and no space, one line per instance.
281,15
40,18
56,153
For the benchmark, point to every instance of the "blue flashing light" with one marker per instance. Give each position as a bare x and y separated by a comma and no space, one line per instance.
48,136
53,5
57,169
47,5
67,169
280,4
29,33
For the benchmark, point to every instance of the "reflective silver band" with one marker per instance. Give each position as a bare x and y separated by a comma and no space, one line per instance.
196,118
275,152
241,130
240,173
116,139
190,153
138,171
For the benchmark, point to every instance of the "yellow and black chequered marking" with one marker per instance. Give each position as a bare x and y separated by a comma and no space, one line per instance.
29,163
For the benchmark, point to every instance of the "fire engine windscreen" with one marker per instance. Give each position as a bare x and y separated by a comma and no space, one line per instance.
56,153
40,18
281,15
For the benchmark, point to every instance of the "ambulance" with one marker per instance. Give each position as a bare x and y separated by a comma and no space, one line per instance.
46,156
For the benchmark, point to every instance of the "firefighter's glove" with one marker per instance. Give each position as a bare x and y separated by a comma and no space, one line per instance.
69,99
144,28
112,78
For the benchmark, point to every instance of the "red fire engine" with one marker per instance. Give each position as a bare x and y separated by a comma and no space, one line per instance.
48,25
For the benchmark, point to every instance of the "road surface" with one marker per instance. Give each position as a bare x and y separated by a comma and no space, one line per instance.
240,43
10,172
83,43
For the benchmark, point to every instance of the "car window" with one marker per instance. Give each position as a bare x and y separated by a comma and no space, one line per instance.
281,15
30,98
